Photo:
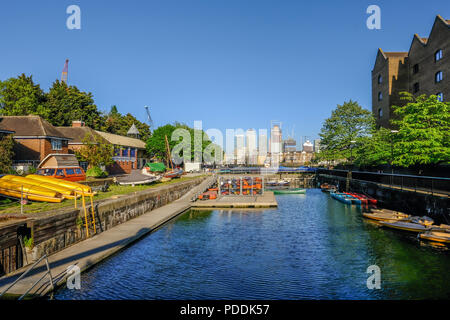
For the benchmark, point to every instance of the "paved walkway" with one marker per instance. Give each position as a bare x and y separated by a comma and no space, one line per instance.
89,252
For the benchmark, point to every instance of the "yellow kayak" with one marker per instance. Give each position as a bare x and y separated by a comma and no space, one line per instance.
66,192
60,182
31,192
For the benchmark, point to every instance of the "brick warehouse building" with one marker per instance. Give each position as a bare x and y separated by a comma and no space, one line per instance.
34,137
423,70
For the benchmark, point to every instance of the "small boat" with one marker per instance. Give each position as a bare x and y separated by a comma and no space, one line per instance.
66,192
387,216
364,198
325,187
60,182
290,191
27,191
417,224
151,179
436,236
345,198
176,173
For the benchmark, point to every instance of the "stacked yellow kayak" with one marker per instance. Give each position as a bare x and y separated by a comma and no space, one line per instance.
60,182
41,188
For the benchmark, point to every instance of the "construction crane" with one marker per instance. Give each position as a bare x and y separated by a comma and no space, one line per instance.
149,118
65,72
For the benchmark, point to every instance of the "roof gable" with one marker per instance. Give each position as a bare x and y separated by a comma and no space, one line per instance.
30,126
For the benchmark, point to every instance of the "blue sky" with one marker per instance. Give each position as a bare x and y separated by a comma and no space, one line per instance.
231,64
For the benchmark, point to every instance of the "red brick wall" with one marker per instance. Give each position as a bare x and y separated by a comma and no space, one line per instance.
35,149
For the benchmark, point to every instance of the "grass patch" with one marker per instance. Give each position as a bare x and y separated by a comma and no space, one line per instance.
9,206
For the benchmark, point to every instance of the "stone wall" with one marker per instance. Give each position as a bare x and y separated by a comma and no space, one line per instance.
56,230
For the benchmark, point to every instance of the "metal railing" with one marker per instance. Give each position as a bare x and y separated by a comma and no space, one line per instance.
432,185
49,273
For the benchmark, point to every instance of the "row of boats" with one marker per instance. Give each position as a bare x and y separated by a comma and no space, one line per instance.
423,226
41,188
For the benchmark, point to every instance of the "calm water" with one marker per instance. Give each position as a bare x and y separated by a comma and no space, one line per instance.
310,247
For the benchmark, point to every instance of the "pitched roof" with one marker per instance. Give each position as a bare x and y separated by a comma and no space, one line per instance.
77,134
133,130
122,141
30,126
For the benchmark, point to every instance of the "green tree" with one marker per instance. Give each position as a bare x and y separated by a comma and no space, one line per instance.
6,153
20,96
375,149
67,103
95,151
156,146
423,136
115,122
348,122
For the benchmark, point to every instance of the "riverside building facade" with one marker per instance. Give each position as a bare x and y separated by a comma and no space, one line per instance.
424,69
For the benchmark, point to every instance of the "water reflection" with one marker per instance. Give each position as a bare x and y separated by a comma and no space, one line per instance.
310,247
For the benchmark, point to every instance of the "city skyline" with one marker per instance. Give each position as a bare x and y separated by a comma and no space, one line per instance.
141,54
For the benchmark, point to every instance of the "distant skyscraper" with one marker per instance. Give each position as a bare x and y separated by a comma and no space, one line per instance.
251,146
317,145
276,143
240,148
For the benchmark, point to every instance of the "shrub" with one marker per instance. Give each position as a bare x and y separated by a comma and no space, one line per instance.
28,242
96,172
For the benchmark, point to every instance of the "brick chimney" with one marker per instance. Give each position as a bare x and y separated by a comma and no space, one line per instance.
77,124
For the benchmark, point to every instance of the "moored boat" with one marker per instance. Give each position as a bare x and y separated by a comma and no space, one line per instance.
78,187
290,191
345,198
325,187
66,192
367,200
387,216
435,236
176,173
27,191
416,224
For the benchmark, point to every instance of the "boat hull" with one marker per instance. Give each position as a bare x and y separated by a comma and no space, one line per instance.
291,191
28,191
60,182
435,236
405,226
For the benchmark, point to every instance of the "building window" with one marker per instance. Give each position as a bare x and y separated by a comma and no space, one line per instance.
416,87
380,113
380,79
438,55
415,68
380,96
440,96
438,77
56,144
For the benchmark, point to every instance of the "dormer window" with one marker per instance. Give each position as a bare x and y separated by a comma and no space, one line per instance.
380,79
438,77
438,55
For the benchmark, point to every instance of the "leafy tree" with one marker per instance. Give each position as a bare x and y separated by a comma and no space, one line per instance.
156,145
375,149
115,122
423,136
348,122
95,151
20,96
67,103
6,153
